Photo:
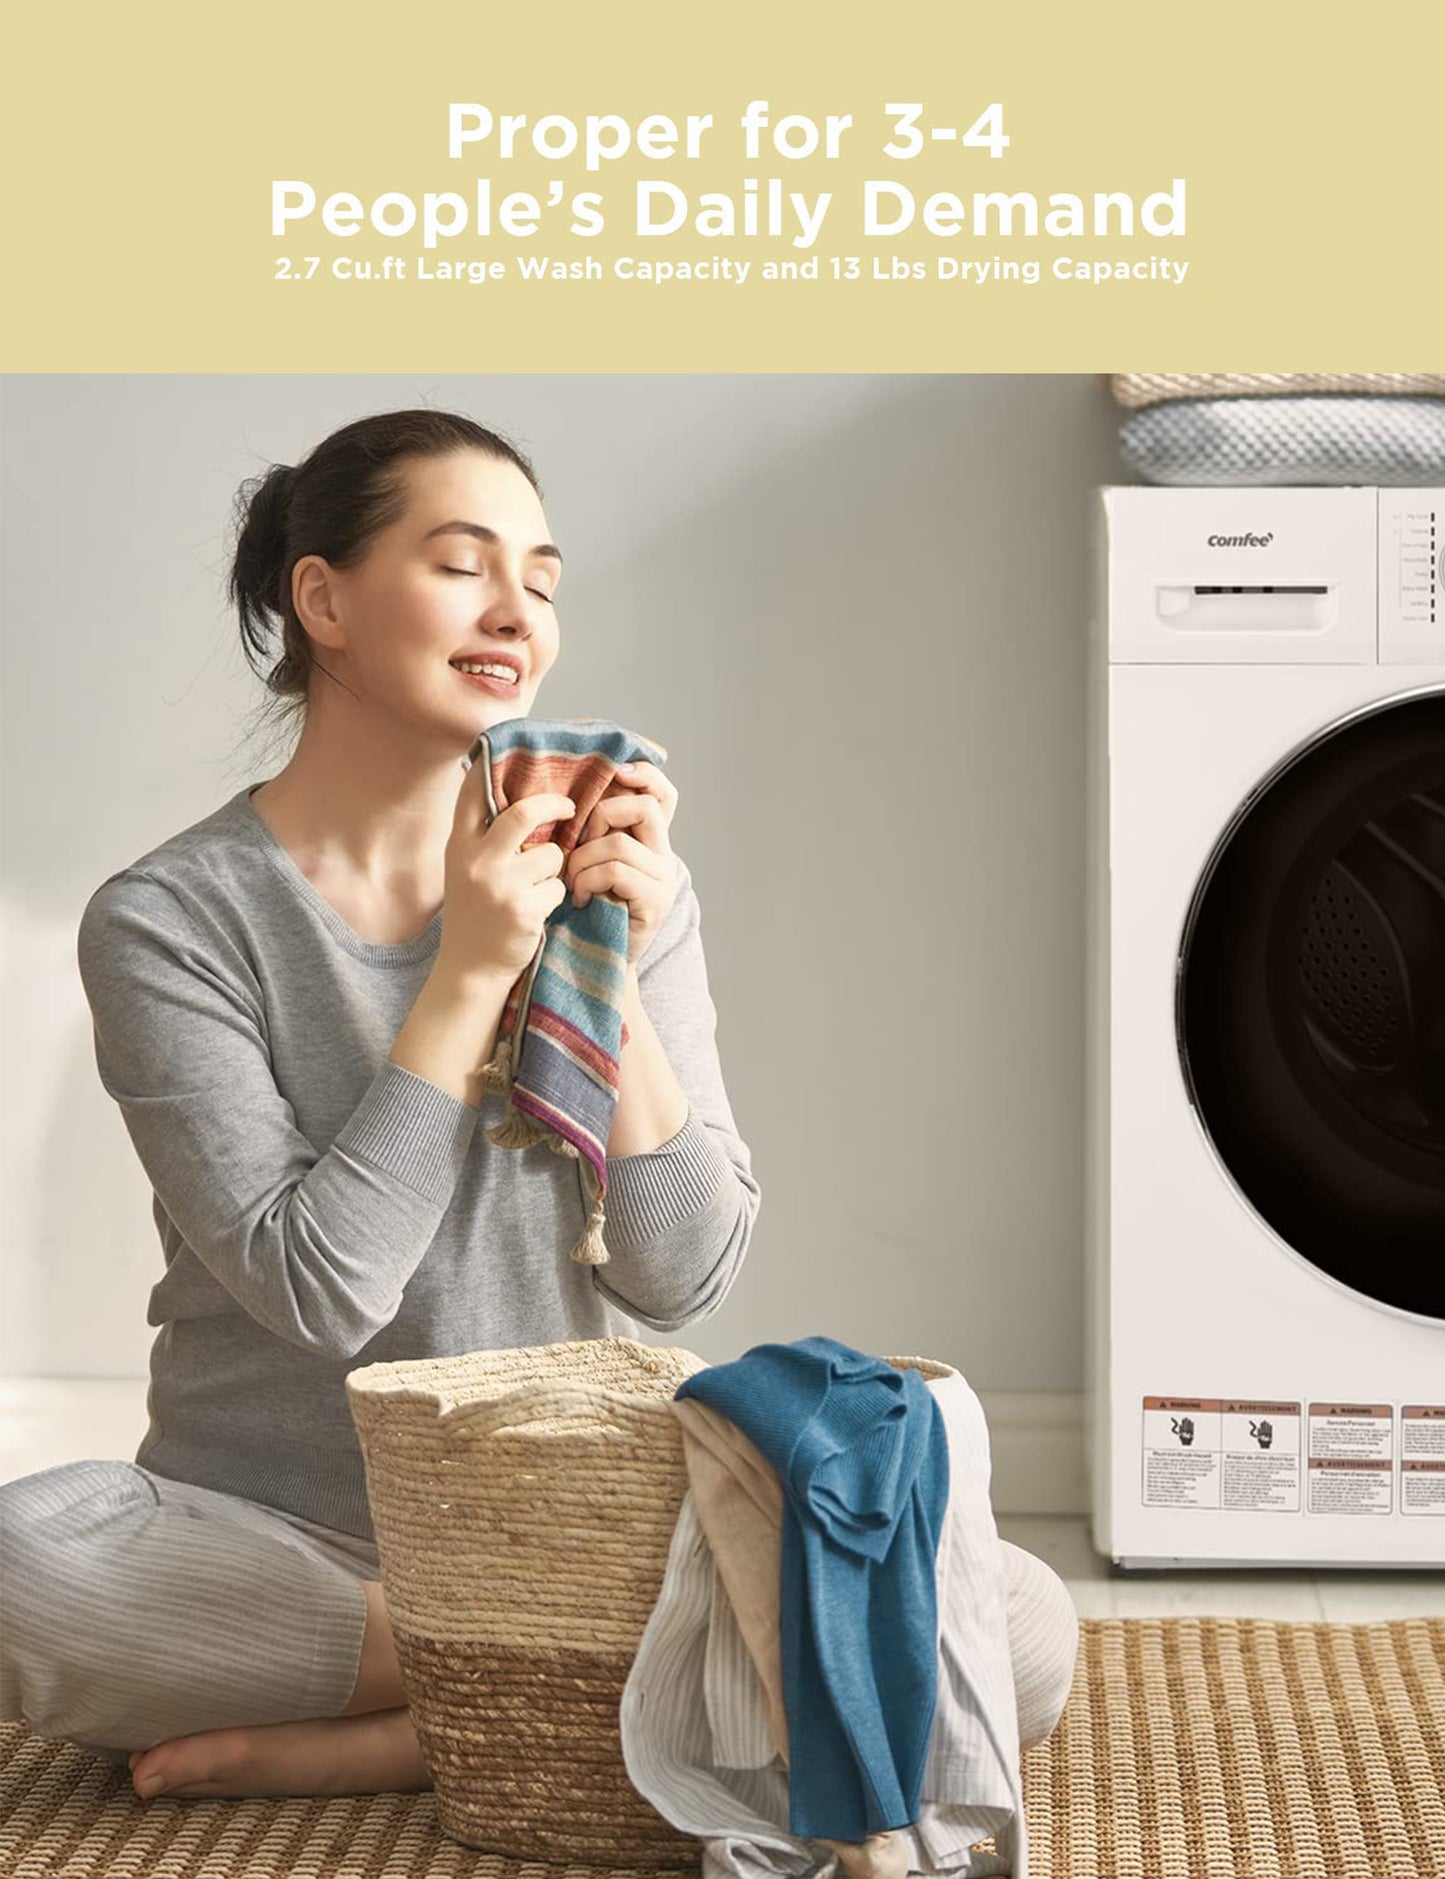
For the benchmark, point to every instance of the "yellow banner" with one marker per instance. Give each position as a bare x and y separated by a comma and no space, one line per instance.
759,188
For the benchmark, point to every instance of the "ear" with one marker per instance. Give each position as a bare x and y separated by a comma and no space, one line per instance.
314,596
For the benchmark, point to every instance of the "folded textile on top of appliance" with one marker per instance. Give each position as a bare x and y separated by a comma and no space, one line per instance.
561,1031
862,1456
1272,441
694,1717
1147,388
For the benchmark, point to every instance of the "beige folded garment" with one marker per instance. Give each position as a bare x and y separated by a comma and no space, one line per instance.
1149,388
740,1509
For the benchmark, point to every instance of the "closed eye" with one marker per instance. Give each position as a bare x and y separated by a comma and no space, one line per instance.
471,574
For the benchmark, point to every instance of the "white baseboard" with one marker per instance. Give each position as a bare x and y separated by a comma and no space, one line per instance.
1037,1443
48,1420
1037,1438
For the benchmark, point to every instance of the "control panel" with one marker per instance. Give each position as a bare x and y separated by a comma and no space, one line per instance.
1412,576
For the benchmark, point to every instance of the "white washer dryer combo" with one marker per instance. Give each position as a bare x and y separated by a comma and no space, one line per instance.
1266,1221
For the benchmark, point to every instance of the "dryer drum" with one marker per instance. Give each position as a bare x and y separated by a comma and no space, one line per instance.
1311,1002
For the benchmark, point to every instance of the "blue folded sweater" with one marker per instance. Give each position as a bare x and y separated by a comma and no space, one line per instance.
861,1450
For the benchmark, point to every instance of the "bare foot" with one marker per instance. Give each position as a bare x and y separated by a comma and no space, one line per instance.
374,1753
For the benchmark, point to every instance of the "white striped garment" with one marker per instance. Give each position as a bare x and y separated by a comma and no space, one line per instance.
138,1608
694,1728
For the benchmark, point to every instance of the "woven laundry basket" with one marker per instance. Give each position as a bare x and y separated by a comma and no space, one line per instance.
524,1502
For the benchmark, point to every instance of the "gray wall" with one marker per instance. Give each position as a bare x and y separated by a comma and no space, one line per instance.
853,608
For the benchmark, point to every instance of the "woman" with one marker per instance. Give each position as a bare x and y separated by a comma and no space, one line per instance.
294,1038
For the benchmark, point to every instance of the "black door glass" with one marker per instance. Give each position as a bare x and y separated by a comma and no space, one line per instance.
1310,1002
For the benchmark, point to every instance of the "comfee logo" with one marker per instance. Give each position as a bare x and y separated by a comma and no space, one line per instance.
1241,541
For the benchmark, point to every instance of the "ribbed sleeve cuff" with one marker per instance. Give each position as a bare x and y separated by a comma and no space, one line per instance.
411,1128
651,1192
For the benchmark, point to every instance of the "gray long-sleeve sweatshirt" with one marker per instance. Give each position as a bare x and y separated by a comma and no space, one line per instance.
320,1207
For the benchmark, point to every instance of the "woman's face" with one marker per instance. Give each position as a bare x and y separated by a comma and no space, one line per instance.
468,574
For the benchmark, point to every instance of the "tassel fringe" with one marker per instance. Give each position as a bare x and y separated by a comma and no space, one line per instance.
517,1130
591,1249
496,1076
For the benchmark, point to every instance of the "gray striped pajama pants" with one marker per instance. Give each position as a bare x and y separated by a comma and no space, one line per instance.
134,1609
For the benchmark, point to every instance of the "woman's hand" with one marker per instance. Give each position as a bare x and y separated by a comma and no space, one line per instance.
624,852
498,893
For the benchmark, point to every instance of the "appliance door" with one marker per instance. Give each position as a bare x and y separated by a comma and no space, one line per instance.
1310,1001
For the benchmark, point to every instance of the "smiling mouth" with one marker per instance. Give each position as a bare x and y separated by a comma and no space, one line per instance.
491,681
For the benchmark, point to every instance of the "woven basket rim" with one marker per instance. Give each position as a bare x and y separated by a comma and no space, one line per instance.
623,1346
444,1401
388,1381
379,1381
556,1409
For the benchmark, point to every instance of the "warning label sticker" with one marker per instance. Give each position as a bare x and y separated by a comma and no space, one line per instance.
1183,1439
1351,1458
1262,1457
1220,1453
1283,1457
1422,1458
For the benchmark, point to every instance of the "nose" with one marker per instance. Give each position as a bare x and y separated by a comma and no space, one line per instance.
506,611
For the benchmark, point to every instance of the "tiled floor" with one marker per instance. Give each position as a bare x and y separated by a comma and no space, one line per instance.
44,1421
1101,1590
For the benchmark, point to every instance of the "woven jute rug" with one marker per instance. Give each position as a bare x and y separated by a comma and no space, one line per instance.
1191,1748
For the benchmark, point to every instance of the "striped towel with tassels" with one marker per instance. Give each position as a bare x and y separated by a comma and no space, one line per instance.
561,1032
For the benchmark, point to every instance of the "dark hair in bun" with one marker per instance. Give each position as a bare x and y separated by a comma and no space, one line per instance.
332,503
